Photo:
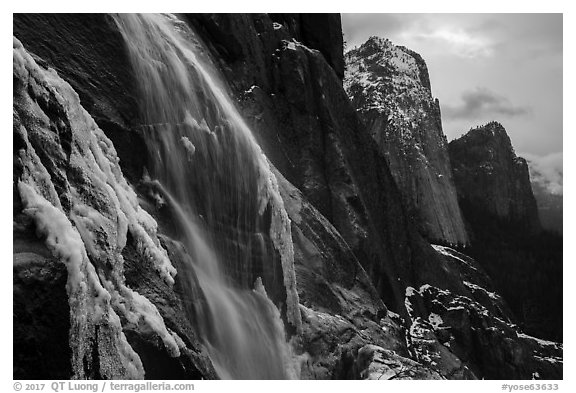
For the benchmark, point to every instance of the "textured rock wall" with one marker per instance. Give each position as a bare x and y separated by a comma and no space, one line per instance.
390,88
295,104
496,197
355,247
70,191
87,51
104,83
490,176
317,31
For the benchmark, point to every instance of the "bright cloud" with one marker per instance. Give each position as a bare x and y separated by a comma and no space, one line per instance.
546,170
459,42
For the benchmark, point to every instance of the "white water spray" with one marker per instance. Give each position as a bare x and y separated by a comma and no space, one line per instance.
218,183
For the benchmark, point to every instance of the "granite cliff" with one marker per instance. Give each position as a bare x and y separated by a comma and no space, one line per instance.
390,88
313,231
496,197
489,176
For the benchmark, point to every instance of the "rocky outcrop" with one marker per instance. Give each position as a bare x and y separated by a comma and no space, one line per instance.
376,363
447,339
70,191
87,50
300,114
390,88
355,246
322,32
317,31
125,134
304,122
341,310
496,198
490,177
471,334
358,277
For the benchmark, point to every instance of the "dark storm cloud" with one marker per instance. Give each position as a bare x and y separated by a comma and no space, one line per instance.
481,101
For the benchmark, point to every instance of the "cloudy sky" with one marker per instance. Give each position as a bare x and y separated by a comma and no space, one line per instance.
504,67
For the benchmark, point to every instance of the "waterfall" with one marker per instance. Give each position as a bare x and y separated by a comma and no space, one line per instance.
208,169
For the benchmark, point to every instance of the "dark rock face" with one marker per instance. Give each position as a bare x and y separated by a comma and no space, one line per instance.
225,33
448,338
41,314
356,249
123,131
377,363
307,127
471,334
323,121
87,51
341,310
490,176
390,88
497,200
69,189
317,31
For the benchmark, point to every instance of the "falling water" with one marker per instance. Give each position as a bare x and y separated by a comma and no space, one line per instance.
208,168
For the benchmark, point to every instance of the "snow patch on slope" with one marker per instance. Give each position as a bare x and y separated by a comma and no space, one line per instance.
396,94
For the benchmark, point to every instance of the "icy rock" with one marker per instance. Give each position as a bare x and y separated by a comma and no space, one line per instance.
84,209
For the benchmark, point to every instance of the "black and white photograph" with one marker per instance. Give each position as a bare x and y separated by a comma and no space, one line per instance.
271,196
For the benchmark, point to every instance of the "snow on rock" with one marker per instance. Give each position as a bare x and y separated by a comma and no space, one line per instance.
446,326
475,282
89,301
377,363
475,287
435,320
490,176
544,343
407,303
189,146
385,81
290,45
142,316
390,88
451,253
281,235
84,209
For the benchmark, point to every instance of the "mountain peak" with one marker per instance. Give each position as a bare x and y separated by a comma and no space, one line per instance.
390,88
489,175
378,64
491,130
